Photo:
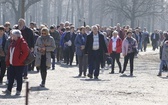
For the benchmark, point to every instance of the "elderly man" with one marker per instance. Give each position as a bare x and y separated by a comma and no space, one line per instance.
28,35
95,47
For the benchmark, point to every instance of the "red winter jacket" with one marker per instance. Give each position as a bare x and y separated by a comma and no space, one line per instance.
21,52
118,46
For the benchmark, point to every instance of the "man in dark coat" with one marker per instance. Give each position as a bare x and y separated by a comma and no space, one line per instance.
155,39
55,34
95,48
28,35
69,45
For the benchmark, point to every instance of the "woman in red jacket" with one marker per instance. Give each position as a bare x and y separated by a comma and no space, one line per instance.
17,54
114,49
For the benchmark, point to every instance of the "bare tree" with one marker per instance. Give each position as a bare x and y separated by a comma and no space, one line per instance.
17,5
133,9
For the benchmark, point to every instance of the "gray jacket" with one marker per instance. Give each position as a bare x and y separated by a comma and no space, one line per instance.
49,45
165,51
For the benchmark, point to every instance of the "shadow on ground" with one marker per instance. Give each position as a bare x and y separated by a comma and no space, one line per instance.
127,76
38,88
10,96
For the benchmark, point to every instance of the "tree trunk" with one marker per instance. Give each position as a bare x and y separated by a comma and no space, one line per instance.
72,15
67,15
132,22
45,12
90,12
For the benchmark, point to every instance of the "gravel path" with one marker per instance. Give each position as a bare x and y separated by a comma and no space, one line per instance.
63,88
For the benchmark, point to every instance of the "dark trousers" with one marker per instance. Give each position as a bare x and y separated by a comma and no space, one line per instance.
31,66
15,73
77,62
145,43
2,69
53,59
130,57
94,63
25,71
103,61
58,53
69,55
83,64
154,44
115,56
43,69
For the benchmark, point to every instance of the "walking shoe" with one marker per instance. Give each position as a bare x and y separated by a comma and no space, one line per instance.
122,72
6,92
25,77
18,93
42,85
159,74
96,77
90,76
131,75
79,75
112,72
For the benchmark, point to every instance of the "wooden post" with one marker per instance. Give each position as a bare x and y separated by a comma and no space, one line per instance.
27,93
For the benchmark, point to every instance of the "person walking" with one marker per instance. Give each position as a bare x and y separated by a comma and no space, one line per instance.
27,34
55,34
3,38
17,54
129,46
145,39
80,42
163,54
45,44
95,47
114,49
154,39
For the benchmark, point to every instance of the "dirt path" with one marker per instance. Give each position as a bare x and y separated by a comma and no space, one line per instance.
62,88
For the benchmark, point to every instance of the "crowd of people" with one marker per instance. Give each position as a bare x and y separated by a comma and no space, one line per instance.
95,48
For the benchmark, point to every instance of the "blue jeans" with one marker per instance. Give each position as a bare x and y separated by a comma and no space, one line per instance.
161,65
53,59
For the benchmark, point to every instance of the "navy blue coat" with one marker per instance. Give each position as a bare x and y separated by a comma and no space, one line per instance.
79,41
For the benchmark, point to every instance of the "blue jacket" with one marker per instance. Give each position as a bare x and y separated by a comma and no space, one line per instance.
79,41
62,40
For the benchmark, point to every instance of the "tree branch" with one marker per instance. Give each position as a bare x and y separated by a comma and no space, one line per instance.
30,2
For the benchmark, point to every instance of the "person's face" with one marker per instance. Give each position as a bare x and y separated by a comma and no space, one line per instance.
95,30
130,34
72,29
43,33
14,37
83,31
115,34
52,30
32,26
21,23
1,32
7,27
